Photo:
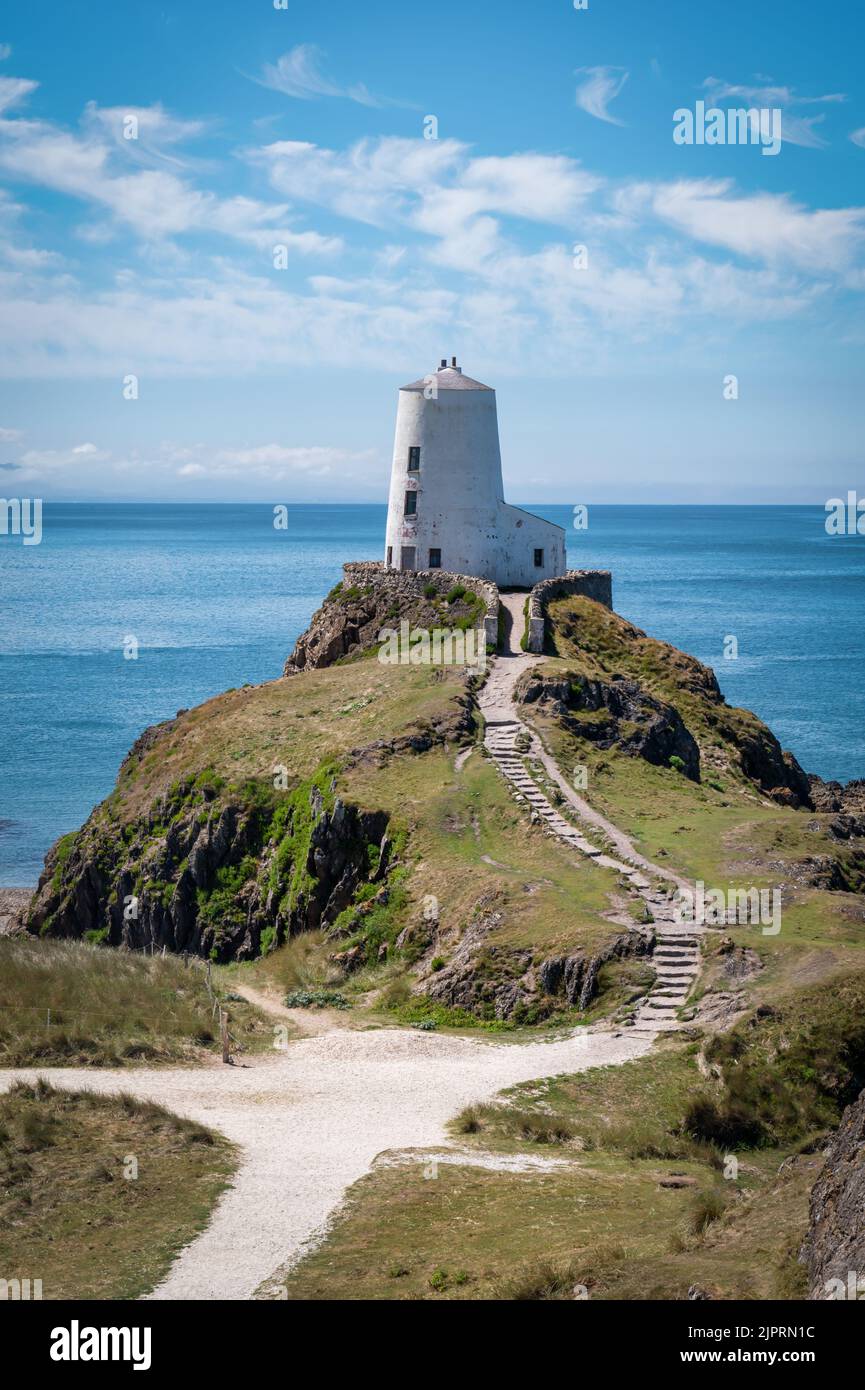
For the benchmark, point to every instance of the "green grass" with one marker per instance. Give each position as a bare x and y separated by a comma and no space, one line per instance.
70,1003
296,723
99,1193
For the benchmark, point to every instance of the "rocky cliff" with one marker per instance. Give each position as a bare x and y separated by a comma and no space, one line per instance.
834,1251
632,720
371,598
213,872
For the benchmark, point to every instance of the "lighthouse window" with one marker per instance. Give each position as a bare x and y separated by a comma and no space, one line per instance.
411,504
435,559
413,459
539,559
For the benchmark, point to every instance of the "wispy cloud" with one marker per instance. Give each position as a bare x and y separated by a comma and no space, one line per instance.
5,51
298,73
92,165
13,90
763,226
796,129
600,87
858,137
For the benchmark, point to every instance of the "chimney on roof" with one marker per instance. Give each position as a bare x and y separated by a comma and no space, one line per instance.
444,364
453,361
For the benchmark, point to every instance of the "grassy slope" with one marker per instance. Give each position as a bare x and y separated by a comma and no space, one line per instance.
297,723
67,1003
732,837
69,1216
605,1221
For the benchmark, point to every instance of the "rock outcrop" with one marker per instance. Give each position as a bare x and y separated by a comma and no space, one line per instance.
209,873
371,598
843,804
506,983
834,1250
637,723
14,903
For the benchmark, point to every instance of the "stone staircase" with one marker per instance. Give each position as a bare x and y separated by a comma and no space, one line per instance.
676,957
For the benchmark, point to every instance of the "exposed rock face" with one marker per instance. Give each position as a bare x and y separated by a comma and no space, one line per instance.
576,976
844,804
773,768
835,1246
14,903
213,877
371,598
638,723
506,983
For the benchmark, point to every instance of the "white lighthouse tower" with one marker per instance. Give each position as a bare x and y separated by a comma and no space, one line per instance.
447,509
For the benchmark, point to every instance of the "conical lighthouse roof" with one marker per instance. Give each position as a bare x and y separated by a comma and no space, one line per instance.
447,379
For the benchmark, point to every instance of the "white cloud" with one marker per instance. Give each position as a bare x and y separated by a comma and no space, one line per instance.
601,86
156,202
374,181
141,132
204,469
858,137
767,226
795,129
8,436
13,90
5,51
298,74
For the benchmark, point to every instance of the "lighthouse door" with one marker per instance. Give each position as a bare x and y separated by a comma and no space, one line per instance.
407,558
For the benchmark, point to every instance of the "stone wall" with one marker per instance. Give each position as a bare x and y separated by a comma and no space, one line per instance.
409,584
595,584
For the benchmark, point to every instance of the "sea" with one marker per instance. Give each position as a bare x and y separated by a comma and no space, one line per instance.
125,613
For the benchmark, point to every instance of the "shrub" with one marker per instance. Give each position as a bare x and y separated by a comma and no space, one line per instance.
708,1205
456,593
676,762
540,1280
429,591
316,999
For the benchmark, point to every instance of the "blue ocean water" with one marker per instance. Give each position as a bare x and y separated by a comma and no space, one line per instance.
215,597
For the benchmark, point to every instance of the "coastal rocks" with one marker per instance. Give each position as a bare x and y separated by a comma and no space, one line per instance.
371,598
835,1244
14,903
775,770
638,724
843,805
219,878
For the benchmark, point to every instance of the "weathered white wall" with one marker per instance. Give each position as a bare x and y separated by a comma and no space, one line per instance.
460,507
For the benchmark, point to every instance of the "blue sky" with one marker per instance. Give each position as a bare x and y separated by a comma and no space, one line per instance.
303,129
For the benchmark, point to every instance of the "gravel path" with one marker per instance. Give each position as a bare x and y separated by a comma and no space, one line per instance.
310,1121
